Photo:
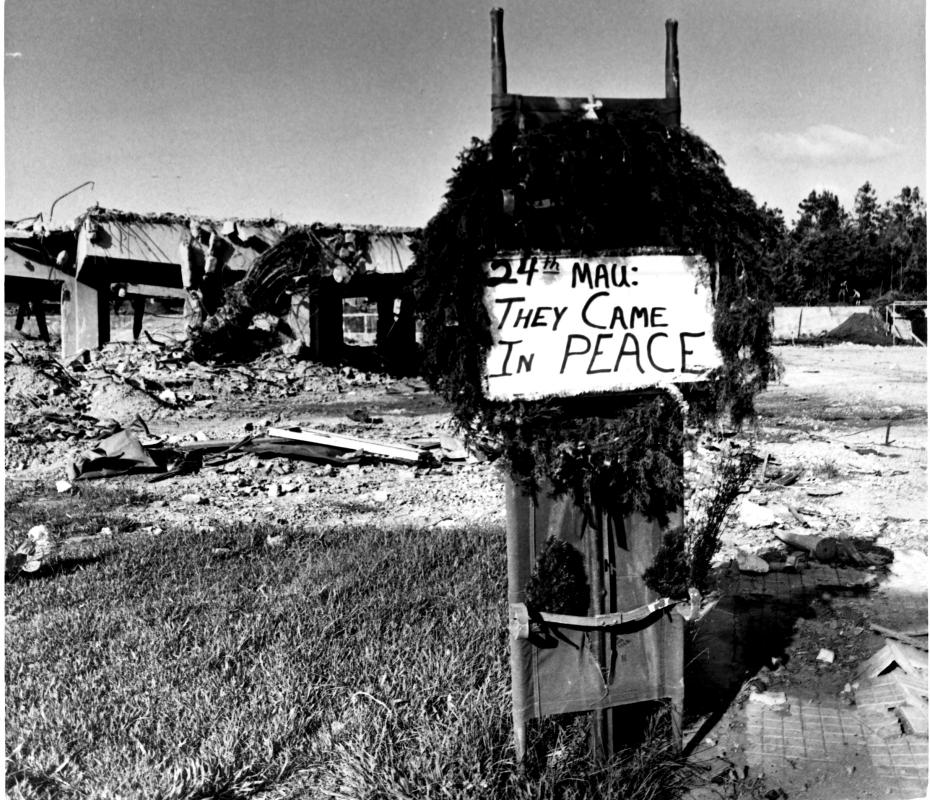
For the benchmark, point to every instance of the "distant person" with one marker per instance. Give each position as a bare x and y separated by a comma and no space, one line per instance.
857,299
844,292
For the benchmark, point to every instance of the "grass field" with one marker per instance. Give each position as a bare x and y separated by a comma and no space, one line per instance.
233,665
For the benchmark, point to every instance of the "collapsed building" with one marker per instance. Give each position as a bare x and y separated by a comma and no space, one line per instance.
106,255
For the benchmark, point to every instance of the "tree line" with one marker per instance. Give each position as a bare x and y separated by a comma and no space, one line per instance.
830,255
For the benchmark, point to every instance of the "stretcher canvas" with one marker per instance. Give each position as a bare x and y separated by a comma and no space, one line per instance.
555,670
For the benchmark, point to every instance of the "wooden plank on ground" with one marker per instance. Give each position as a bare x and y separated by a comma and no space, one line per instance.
908,658
876,664
400,452
889,633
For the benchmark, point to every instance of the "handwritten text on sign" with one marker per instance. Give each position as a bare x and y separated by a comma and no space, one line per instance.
569,326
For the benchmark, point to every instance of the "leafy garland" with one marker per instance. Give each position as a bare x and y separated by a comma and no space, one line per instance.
593,187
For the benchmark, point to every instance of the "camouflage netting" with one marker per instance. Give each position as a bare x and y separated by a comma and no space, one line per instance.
594,188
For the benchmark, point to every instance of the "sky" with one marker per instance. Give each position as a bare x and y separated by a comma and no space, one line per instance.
354,112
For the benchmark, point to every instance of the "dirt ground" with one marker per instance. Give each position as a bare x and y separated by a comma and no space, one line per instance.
842,436
852,419
846,428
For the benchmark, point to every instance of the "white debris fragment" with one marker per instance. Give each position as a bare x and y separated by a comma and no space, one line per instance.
770,699
37,546
748,562
752,515
827,656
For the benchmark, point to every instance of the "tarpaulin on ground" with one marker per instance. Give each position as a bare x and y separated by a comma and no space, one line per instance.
116,455
122,454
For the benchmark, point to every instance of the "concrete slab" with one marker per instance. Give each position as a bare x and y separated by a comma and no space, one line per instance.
818,741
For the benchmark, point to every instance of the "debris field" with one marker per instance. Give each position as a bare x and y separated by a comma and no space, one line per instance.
810,673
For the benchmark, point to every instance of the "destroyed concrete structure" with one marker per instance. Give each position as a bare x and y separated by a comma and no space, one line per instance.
106,254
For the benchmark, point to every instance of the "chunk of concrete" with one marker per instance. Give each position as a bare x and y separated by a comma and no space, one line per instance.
752,515
769,699
747,562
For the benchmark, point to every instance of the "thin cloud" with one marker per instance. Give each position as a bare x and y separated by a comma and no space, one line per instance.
826,143
17,54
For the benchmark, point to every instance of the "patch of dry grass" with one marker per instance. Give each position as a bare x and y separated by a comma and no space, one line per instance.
369,663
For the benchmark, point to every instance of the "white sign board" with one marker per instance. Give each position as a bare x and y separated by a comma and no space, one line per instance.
566,326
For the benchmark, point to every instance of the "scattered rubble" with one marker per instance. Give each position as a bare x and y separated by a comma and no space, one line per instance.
49,404
230,464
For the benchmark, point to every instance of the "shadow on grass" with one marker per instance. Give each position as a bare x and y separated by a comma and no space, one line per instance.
34,781
54,569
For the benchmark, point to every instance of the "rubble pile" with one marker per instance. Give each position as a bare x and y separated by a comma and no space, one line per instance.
202,439
860,329
52,407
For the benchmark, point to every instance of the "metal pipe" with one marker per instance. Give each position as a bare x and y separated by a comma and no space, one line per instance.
34,216
594,547
498,67
498,55
61,197
672,79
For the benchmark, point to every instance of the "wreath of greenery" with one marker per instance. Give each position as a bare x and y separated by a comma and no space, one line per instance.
585,187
